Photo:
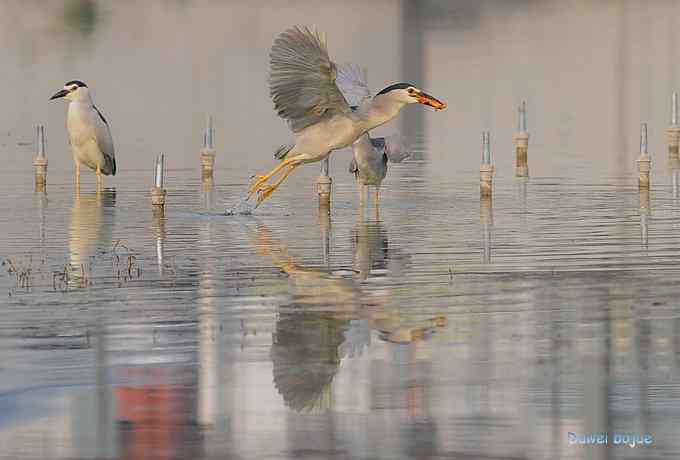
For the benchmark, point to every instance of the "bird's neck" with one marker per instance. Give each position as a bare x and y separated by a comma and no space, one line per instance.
380,110
83,102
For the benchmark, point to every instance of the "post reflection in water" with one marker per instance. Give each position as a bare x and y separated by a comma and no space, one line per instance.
645,216
40,199
486,218
158,228
207,192
674,168
570,324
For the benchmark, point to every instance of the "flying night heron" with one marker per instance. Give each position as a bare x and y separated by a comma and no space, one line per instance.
371,155
302,84
88,131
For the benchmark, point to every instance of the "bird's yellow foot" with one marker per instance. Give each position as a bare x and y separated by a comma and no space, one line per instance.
256,184
263,193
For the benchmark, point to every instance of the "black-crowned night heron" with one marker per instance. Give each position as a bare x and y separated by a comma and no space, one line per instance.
303,87
371,155
88,131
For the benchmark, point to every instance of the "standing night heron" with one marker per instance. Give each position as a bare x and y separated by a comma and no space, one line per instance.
371,155
303,87
88,132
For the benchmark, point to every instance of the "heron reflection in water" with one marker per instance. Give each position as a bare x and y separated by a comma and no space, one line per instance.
329,318
90,229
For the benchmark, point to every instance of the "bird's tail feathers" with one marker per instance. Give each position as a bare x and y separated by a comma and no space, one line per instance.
353,167
282,151
109,166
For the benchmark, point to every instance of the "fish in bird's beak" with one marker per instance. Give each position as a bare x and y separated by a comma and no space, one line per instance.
426,99
59,94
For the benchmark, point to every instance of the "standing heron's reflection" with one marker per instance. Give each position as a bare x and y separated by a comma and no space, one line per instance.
372,252
328,318
370,246
90,228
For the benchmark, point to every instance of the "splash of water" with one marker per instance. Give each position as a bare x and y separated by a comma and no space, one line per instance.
242,208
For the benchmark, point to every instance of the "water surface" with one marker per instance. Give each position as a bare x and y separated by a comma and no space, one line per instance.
440,326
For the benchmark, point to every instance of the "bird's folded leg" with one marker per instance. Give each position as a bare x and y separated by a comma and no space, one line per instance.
264,191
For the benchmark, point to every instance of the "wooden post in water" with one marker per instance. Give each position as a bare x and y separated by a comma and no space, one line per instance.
208,151
673,131
40,161
323,185
486,170
644,161
522,144
158,192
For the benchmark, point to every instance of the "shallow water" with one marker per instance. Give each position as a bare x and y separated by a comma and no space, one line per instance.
438,327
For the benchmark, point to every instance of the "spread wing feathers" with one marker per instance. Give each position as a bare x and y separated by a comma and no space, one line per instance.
105,143
392,147
353,84
302,79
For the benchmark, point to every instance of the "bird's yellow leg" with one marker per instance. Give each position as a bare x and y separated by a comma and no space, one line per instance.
77,174
264,191
377,196
99,176
259,180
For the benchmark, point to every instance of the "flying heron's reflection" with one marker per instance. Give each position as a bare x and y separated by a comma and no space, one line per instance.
305,356
328,318
90,227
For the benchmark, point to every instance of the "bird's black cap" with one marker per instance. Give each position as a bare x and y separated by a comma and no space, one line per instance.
395,86
75,82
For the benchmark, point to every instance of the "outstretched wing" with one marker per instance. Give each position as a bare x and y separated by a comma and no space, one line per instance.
392,147
302,79
353,84
105,142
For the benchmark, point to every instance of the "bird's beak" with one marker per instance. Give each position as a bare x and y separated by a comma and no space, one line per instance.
59,94
426,99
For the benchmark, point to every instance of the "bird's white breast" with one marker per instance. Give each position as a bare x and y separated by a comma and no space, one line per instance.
80,124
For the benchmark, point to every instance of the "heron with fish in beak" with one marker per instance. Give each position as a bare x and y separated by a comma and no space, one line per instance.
303,87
